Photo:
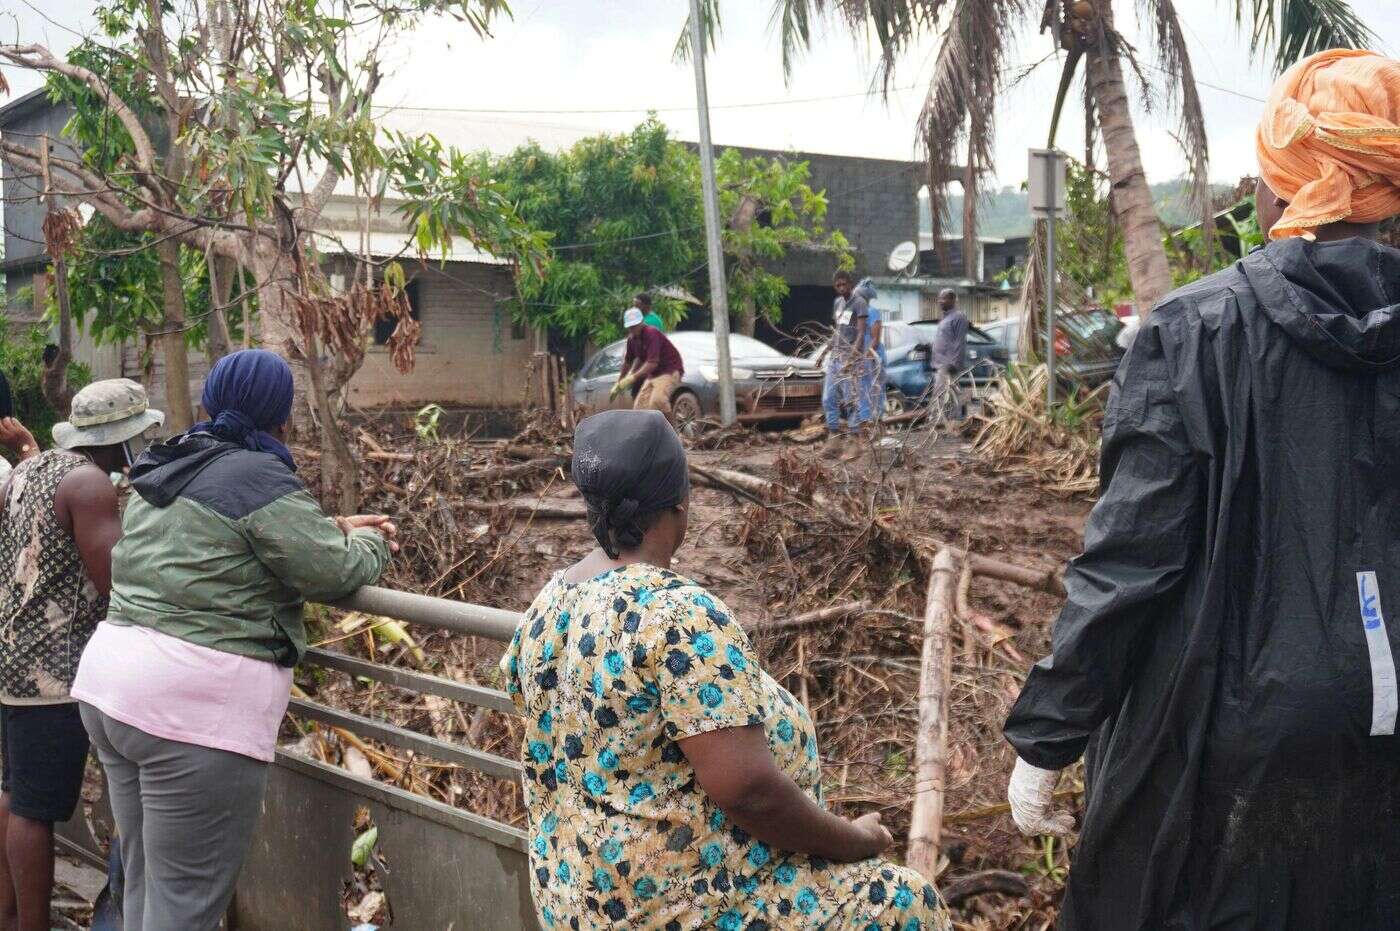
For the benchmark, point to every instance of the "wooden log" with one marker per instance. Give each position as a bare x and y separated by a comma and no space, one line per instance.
931,741
820,616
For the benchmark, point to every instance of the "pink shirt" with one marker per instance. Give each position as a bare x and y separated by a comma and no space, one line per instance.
182,691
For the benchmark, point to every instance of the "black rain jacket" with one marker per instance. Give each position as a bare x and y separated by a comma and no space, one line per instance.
1225,651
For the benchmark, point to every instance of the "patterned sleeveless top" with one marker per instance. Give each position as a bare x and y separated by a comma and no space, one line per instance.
49,606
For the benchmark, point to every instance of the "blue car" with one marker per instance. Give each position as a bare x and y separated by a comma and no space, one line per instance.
908,374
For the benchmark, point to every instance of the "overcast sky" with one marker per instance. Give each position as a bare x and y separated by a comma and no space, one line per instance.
572,56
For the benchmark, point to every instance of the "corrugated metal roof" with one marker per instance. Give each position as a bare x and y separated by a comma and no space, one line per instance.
397,245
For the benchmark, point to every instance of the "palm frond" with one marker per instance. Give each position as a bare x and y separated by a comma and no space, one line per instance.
709,12
1295,29
961,101
793,21
1183,98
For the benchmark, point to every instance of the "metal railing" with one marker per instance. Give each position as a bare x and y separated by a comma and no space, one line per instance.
447,866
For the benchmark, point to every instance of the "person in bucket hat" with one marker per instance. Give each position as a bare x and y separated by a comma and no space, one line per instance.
111,413
57,528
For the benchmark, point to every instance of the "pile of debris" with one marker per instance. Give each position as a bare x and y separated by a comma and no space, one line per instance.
1057,448
829,565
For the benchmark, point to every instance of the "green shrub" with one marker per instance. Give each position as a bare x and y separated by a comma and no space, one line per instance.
22,361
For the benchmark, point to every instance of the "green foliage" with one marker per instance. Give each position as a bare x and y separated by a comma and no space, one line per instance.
623,214
785,212
445,197
1089,244
22,361
115,288
1235,237
425,422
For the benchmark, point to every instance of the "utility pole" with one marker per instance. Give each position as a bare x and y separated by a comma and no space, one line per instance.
719,296
1047,200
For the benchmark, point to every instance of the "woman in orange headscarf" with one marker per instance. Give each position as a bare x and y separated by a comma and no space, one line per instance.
1224,656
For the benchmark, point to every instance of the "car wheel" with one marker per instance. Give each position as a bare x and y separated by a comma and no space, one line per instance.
895,403
687,412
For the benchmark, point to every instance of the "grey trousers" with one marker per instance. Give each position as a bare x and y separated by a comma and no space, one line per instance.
185,818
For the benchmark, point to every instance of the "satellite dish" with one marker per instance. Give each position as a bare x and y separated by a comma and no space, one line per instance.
904,257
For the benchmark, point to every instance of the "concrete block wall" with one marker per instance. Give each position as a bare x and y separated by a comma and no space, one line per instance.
470,354
873,201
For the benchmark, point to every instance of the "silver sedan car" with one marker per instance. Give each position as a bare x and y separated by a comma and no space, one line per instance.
768,386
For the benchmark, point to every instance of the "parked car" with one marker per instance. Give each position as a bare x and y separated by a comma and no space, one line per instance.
1086,344
908,376
768,386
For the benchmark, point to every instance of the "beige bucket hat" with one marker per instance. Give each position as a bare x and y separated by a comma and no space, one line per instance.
106,413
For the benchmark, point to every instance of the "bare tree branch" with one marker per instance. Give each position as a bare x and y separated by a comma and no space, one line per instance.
38,58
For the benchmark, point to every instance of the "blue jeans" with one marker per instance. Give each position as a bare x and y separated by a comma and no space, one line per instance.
846,385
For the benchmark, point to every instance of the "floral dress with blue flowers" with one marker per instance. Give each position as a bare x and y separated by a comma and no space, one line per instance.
610,673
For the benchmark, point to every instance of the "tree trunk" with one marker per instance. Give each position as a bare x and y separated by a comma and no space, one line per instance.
340,473
748,317
1132,198
339,491
222,269
179,413
54,383
970,250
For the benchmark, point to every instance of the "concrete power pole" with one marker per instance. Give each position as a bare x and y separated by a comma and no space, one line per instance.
719,296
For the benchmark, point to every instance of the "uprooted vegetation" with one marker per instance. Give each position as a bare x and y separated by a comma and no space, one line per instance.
824,561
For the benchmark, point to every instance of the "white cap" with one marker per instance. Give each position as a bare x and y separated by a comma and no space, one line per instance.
631,317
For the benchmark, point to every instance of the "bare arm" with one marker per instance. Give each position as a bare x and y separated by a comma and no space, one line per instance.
86,506
736,769
16,436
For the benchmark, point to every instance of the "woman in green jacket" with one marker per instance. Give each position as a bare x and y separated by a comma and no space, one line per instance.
184,685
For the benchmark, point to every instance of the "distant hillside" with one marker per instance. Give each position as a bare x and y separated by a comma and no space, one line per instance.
1006,212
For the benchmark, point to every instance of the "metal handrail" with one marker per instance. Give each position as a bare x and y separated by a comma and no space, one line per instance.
456,616
443,614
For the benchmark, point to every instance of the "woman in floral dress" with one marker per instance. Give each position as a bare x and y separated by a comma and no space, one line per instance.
671,783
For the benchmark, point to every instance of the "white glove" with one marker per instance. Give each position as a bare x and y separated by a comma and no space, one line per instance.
1032,794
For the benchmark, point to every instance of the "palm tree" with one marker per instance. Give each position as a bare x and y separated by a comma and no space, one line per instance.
971,71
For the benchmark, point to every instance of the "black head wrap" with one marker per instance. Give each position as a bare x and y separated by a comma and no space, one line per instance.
627,464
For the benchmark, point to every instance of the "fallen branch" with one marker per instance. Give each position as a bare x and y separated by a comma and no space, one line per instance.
764,492
820,616
1001,808
961,888
503,473
530,508
931,741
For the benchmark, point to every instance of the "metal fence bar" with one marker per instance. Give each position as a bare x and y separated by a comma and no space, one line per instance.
402,799
493,699
479,760
456,616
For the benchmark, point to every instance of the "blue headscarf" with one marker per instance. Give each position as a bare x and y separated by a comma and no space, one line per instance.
248,393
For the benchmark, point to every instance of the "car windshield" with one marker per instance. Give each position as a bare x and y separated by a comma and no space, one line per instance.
698,347
898,335
1094,325
607,362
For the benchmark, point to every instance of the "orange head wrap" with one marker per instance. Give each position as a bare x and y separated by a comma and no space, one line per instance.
1329,142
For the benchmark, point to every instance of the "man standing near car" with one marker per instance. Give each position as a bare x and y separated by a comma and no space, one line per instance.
949,357
651,362
844,356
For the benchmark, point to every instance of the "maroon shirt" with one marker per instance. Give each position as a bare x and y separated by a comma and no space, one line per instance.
650,344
